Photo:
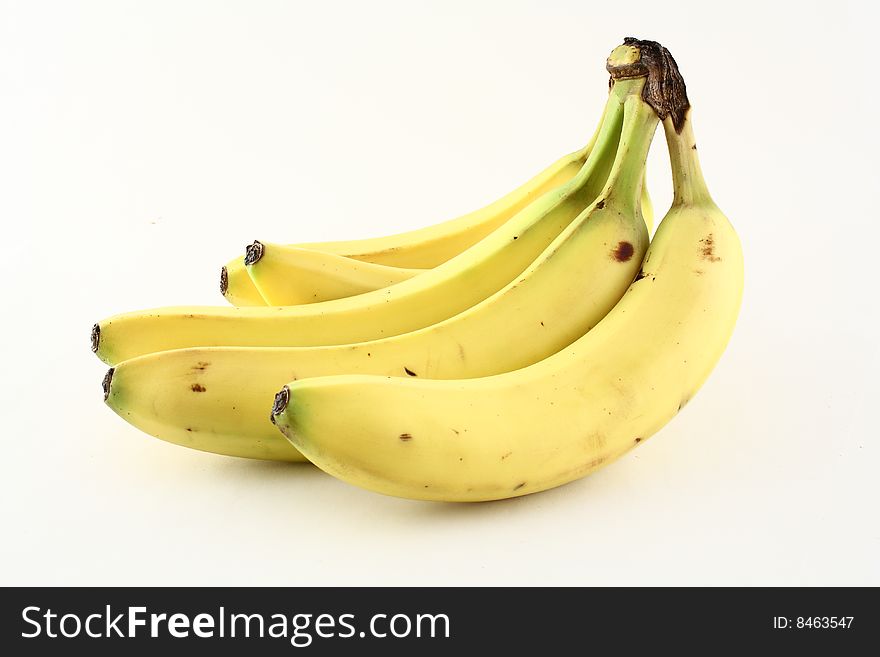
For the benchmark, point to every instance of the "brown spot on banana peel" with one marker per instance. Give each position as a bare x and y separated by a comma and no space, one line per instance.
285,430
279,405
105,383
519,485
708,248
253,253
405,437
623,252
201,366
224,280
638,440
600,204
504,456
197,387
409,371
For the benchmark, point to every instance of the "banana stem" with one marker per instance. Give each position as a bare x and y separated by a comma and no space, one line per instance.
588,182
687,176
627,175
663,89
591,145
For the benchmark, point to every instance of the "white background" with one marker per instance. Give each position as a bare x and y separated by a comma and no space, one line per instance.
143,144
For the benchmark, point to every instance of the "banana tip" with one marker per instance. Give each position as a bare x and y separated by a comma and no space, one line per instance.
254,253
105,384
96,337
282,399
224,280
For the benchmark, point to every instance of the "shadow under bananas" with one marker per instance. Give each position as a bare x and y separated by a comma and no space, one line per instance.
350,502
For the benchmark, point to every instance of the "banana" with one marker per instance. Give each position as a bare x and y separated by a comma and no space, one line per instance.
417,249
426,299
289,276
214,399
346,276
564,417
425,247
237,286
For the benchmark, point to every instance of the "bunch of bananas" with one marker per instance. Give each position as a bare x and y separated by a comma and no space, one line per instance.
502,353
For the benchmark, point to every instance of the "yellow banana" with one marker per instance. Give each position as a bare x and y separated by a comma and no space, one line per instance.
324,276
290,276
426,299
555,421
424,247
237,286
214,399
417,249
